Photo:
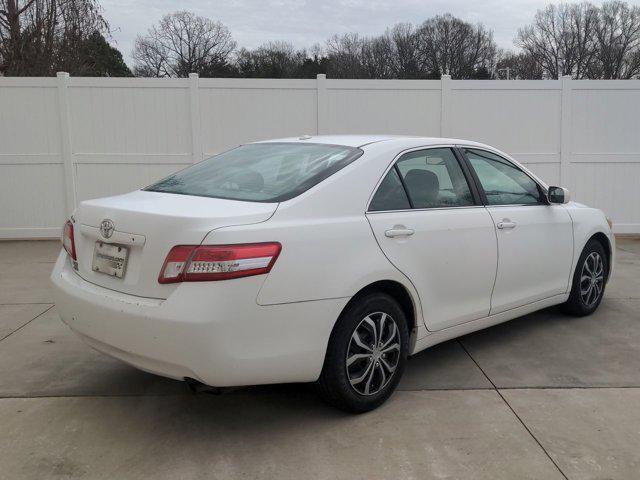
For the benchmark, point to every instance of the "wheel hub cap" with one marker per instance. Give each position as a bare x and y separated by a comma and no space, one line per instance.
592,279
373,353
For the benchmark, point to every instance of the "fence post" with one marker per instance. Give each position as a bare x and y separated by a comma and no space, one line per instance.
65,142
565,131
194,112
321,108
445,105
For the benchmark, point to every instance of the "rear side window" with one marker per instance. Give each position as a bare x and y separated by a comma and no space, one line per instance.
430,178
434,179
260,172
390,195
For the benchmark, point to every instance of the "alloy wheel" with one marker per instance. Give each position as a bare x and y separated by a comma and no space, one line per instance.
373,353
591,279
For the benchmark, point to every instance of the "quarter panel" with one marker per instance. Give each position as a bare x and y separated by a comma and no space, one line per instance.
321,257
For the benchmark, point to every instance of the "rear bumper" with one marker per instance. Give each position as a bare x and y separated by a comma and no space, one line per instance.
214,332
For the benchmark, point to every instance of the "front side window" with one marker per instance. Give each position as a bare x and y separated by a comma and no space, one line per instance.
260,172
503,182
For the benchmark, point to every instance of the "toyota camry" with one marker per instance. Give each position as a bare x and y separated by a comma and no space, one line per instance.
325,259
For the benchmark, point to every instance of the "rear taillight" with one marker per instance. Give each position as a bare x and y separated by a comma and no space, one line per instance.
193,263
68,241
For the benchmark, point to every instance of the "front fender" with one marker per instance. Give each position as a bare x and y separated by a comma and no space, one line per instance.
588,222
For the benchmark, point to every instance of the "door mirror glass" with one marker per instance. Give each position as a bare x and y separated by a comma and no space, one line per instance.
558,195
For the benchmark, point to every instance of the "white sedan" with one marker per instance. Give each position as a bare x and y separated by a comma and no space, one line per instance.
324,259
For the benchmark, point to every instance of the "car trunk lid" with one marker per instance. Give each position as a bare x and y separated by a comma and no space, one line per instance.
148,225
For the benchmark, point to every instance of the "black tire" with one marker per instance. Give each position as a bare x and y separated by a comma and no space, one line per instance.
334,385
579,303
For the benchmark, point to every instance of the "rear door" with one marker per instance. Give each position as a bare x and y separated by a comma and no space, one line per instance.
535,239
431,226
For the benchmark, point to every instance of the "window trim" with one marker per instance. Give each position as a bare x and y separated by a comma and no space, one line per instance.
541,189
404,185
475,194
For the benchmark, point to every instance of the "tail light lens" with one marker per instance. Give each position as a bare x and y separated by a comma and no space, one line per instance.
68,241
193,263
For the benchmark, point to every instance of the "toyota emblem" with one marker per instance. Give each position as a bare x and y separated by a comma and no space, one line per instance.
106,228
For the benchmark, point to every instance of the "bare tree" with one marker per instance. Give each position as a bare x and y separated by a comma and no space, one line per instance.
377,57
562,39
353,56
405,43
344,54
183,43
443,44
278,60
151,59
38,37
450,45
271,60
617,33
520,65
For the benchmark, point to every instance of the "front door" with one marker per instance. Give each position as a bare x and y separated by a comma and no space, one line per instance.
431,227
535,239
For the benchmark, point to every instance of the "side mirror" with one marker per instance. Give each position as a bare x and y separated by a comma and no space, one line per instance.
558,195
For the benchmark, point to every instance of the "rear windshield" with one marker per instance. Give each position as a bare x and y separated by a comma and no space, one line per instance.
260,172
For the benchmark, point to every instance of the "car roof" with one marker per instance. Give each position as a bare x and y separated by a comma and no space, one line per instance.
362,140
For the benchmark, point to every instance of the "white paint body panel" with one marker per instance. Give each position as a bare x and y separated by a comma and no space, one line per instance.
535,256
163,220
275,328
451,260
217,335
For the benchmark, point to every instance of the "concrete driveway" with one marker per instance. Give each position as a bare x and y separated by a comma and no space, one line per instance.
545,396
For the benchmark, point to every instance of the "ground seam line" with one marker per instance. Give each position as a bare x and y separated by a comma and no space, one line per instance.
25,303
187,394
96,395
22,326
514,412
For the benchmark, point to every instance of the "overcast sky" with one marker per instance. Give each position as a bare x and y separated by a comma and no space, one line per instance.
306,22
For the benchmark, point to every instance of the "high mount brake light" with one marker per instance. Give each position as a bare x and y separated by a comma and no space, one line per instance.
198,263
68,242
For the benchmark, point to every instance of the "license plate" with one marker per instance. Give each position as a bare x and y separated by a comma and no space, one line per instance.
110,259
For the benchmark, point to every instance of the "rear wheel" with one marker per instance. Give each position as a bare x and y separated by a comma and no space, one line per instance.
589,280
366,354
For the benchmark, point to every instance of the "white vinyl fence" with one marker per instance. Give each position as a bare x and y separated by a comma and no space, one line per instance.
64,140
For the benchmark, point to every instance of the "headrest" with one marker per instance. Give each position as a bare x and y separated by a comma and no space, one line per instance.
423,186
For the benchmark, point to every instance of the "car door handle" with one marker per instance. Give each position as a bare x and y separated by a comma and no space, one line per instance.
399,232
506,225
